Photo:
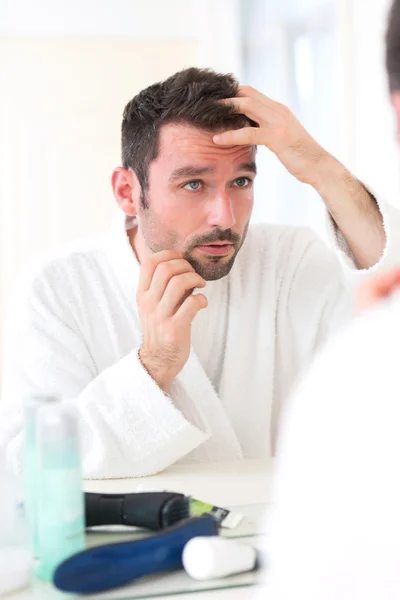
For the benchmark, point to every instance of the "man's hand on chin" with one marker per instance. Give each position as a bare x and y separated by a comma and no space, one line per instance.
167,307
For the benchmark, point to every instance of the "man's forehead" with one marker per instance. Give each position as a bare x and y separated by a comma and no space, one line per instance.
187,141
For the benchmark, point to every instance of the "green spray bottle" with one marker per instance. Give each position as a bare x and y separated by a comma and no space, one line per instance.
53,475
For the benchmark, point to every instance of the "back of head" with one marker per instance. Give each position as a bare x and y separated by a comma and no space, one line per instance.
393,47
189,97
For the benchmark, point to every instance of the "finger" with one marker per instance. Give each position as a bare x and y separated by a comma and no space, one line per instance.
178,290
246,91
189,309
246,106
383,285
388,282
163,274
240,137
377,289
149,266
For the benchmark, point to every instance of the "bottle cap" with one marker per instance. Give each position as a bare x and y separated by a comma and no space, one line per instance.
213,557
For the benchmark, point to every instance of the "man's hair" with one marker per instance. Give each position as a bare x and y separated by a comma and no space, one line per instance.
188,97
393,47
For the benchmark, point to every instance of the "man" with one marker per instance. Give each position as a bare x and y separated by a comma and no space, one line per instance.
334,532
156,372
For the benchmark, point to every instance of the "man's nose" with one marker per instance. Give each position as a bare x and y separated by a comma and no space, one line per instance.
221,213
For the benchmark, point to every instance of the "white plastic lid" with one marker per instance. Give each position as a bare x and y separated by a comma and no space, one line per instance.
213,557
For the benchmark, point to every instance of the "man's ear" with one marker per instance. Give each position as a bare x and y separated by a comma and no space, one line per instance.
126,187
395,98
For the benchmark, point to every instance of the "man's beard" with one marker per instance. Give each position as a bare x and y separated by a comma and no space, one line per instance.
215,267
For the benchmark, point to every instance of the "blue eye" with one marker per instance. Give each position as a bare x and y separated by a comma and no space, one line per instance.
193,186
242,182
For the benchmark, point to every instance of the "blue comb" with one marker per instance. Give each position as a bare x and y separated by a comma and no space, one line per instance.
106,567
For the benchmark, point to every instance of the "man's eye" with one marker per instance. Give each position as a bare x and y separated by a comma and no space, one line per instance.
193,186
242,182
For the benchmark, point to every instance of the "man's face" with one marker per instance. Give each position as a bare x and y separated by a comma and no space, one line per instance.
200,199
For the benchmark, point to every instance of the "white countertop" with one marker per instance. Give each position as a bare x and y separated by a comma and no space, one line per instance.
224,484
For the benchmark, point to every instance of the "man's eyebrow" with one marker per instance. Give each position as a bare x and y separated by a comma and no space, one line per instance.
187,172
190,171
248,166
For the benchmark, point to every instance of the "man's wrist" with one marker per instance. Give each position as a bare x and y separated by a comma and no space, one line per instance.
329,174
156,371
343,195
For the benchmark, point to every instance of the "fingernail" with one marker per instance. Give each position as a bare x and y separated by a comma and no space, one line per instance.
216,138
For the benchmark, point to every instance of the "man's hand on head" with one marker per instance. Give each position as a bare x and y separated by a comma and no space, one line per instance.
279,131
351,206
167,307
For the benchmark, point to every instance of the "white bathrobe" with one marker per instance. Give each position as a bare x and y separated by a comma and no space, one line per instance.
334,530
73,332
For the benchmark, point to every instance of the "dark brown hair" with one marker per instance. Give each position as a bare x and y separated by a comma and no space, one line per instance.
190,97
393,47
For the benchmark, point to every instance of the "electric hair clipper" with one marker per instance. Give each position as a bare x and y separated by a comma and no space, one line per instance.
150,510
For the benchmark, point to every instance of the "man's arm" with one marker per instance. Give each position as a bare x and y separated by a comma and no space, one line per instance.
353,209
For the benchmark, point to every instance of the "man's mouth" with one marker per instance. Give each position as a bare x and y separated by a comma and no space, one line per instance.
216,248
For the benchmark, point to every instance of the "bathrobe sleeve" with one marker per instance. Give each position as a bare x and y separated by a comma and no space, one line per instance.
129,427
391,254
